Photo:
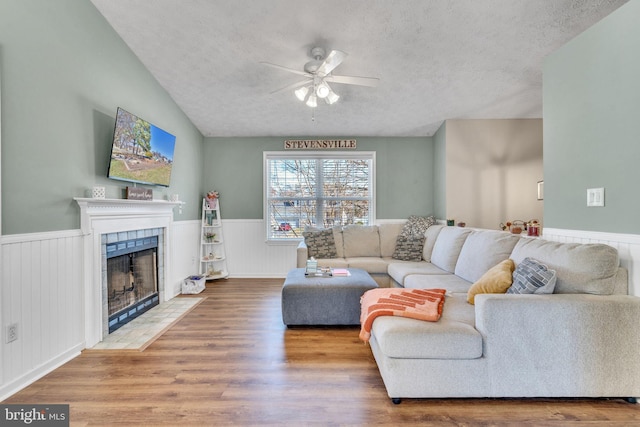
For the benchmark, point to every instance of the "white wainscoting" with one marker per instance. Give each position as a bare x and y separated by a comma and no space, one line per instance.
185,238
628,246
248,254
41,292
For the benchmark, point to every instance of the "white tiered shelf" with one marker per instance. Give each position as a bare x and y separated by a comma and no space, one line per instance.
213,262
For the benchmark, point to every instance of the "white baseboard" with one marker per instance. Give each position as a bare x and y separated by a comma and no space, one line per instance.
35,374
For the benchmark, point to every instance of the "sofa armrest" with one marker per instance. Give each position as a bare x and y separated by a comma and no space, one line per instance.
302,254
561,344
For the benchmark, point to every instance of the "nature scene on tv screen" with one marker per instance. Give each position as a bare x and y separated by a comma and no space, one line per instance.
141,152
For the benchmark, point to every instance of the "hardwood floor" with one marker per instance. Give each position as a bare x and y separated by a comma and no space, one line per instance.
231,361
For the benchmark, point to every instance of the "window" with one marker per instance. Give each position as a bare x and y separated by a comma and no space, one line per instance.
315,189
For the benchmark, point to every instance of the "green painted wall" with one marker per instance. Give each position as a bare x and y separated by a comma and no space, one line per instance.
64,72
440,171
404,170
592,126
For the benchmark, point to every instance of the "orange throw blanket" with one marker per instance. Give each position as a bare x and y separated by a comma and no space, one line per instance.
422,304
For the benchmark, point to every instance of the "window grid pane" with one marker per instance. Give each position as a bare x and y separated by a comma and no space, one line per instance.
316,192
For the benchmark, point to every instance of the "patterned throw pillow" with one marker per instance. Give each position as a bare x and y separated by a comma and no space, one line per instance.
409,248
320,244
417,225
532,277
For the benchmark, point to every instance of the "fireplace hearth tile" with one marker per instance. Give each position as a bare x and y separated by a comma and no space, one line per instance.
142,331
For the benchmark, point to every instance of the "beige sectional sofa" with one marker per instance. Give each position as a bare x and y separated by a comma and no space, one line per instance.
582,340
367,247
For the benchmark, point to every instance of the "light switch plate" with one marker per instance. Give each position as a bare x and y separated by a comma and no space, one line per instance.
595,197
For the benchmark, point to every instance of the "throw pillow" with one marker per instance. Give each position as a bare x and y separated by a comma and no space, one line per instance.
320,243
409,248
532,277
495,281
417,225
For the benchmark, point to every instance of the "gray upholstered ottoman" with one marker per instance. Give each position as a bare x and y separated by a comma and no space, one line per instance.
324,300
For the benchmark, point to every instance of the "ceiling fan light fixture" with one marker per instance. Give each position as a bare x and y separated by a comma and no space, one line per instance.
332,97
312,101
323,90
301,93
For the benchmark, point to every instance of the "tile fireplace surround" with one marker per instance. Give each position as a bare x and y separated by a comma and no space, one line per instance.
100,217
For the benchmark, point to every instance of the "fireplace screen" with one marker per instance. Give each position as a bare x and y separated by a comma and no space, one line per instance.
132,279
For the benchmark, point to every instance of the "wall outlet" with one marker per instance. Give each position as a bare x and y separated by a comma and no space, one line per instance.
12,332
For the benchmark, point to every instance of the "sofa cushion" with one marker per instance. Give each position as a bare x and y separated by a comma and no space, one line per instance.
320,243
452,337
495,281
431,236
447,247
409,248
532,277
589,268
399,270
450,282
388,234
361,240
332,262
417,225
371,265
482,250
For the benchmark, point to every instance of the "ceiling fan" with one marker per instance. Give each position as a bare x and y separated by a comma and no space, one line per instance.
318,74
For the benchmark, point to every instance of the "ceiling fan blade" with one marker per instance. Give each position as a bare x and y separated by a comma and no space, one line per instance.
354,80
292,86
333,59
291,70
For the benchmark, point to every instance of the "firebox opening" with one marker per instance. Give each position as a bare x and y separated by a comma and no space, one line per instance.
132,279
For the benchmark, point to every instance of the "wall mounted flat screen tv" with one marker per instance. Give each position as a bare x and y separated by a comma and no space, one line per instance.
141,152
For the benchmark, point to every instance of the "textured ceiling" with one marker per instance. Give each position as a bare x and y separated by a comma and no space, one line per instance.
436,59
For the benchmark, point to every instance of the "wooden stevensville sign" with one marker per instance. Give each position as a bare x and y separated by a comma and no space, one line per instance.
319,144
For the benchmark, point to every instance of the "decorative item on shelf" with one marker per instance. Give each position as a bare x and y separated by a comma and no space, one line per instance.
139,193
517,226
462,224
210,237
98,192
213,272
533,228
212,199
451,222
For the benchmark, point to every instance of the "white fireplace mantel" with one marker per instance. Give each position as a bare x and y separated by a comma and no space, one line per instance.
103,216
101,210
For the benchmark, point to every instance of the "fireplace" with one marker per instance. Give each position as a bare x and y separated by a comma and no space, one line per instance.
105,222
132,279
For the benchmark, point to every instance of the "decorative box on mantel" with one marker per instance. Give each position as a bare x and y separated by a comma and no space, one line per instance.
103,216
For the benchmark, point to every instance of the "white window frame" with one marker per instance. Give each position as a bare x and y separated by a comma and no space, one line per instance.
284,155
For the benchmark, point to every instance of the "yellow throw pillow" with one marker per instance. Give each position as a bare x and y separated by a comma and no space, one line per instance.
495,281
